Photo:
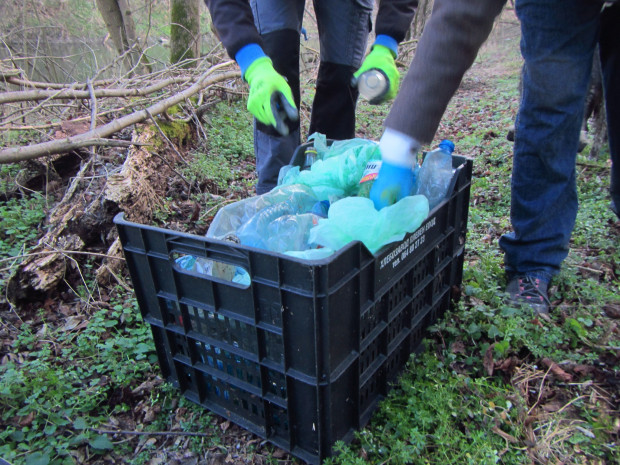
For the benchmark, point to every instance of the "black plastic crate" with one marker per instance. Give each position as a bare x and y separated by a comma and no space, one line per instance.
302,355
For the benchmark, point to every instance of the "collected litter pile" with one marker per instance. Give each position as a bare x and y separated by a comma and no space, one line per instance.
321,204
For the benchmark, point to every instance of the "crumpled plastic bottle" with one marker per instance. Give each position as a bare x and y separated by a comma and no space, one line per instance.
436,173
279,221
290,232
229,219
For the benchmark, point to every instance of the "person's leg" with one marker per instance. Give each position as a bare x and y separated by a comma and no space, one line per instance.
557,43
343,33
610,63
279,23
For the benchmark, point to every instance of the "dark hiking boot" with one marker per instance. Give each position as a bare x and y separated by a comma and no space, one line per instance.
526,290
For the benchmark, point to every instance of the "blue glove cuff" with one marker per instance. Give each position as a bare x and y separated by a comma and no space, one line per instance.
395,172
247,55
387,42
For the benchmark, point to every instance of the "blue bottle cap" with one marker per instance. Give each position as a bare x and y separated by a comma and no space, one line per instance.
447,145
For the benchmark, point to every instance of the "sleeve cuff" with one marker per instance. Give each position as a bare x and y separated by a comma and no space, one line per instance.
247,55
387,42
398,149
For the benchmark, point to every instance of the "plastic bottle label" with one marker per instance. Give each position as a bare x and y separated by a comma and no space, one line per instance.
371,171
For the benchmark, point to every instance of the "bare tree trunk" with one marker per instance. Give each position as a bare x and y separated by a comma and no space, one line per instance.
425,7
118,20
184,30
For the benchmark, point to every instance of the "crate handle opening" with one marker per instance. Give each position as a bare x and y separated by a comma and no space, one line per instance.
210,268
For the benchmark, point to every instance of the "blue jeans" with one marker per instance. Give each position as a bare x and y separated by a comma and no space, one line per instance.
558,40
343,27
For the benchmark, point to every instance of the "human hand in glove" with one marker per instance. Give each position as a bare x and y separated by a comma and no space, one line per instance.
381,58
392,184
271,99
395,179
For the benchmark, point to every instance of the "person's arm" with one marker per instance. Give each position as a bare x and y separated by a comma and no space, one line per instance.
448,47
394,18
393,21
234,23
271,99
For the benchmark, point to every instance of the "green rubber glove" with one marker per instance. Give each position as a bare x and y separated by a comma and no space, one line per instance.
381,58
271,99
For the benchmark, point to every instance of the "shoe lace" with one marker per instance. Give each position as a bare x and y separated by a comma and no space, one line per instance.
529,288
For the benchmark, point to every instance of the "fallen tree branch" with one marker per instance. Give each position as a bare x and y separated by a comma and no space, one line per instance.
15,154
68,93
51,85
154,433
64,252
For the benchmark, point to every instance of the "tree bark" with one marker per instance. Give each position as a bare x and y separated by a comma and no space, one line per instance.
184,30
425,8
120,25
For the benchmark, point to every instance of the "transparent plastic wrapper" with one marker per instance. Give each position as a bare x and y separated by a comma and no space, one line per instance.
436,173
214,268
337,170
355,218
298,199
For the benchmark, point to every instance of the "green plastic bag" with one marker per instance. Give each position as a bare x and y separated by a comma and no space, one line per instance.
338,169
356,219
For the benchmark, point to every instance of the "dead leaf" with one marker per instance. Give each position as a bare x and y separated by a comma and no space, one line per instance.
505,435
506,365
551,407
583,370
151,413
556,370
27,420
612,310
279,454
72,128
147,386
488,363
196,213
458,347
73,322
225,425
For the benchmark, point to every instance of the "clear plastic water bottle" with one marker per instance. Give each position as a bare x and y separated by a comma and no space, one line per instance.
436,173
254,232
310,157
373,85
290,232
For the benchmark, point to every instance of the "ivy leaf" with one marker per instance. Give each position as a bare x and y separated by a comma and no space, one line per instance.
493,332
100,442
37,458
80,423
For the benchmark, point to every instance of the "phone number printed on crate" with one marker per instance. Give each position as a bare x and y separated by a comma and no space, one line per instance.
408,246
